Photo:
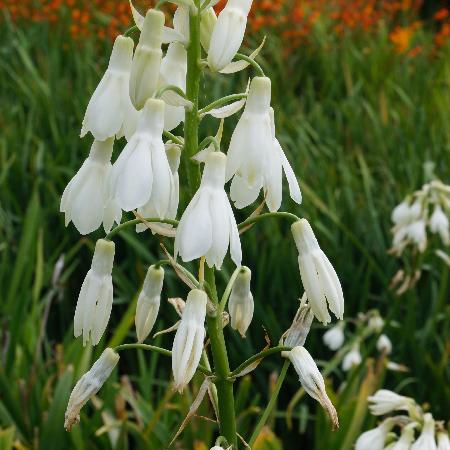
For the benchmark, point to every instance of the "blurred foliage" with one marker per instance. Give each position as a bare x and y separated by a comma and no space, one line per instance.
358,122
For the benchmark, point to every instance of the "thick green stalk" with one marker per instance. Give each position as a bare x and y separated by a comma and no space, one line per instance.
227,418
191,121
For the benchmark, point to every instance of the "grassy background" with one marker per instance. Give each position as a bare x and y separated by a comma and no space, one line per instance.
358,123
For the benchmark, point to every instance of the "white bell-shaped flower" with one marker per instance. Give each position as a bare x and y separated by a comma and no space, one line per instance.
385,401
110,111
374,439
406,439
207,226
312,380
96,295
405,213
334,338
148,302
241,305
188,343
141,176
147,59
439,223
416,231
251,147
443,440
86,200
318,275
375,323
88,385
173,72
228,33
352,359
426,440
384,344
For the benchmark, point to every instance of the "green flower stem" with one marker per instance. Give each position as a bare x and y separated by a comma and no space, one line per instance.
227,291
271,404
255,219
252,62
227,418
261,355
173,138
191,121
221,101
130,223
159,350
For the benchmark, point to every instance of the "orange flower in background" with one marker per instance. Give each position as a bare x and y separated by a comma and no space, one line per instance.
441,15
401,37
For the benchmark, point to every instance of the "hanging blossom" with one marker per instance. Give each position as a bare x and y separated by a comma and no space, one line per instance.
228,33
255,158
241,305
86,201
141,176
207,226
188,343
385,401
319,278
406,438
96,295
146,64
384,344
426,440
375,439
88,385
352,359
110,111
148,302
334,338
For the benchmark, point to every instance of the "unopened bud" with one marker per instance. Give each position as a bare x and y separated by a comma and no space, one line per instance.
241,305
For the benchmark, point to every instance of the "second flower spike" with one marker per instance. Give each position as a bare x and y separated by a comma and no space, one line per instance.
318,275
148,302
207,226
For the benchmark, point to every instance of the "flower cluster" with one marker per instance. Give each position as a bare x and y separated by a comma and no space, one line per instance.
142,97
415,430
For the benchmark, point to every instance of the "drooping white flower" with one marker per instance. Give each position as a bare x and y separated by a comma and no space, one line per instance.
173,72
88,385
110,111
318,275
385,401
96,295
384,344
241,303
375,323
352,359
416,231
406,439
439,223
207,226
334,338
374,439
443,440
148,302
147,57
426,440
86,200
228,33
141,176
405,213
188,343
312,380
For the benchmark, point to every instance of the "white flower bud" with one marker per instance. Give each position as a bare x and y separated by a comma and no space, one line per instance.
334,338
110,111
88,385
141,176
147,59
297,333
318,275
439,223
228,33
351,359
312,380
148,302
426,440
188,343
241,305
375,324
384,344
443,440
207,24
96,295
86,200
385,401
207,226
374,439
